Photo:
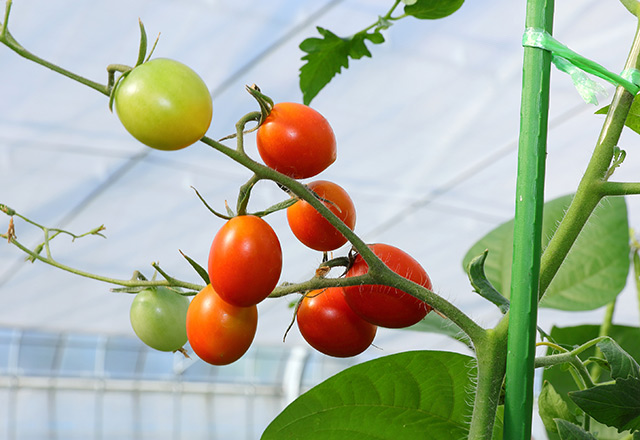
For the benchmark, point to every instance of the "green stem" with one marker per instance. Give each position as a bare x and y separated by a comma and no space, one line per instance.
491,354
244,194
126,283
619,188
7,39
377,269
592,187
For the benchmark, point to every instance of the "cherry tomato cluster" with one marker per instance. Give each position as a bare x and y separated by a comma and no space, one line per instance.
165,105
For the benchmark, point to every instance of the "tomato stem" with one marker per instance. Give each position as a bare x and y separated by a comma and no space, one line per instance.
244,194
593,185
7,39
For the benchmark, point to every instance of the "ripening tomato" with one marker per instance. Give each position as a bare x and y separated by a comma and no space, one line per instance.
158,317
245,261
296,140
383,305
219,333
311,228
329,325
164,104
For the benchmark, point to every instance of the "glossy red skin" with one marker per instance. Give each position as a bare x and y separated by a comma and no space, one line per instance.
386,306
329,325
311,228
245,261
218,332
296,140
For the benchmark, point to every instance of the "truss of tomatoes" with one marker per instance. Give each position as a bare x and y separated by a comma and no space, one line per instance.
245,258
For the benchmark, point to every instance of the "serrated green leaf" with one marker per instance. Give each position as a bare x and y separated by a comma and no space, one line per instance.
357,48
552,406
616,405
621,363
570,431
327,56
594,272
432,9
397,397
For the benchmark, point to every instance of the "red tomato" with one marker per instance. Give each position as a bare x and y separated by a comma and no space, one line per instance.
313,229
218,332
329,325
387,306
245,261
296,140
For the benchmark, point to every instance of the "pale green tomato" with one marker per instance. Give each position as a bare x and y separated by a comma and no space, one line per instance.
158,316
164,104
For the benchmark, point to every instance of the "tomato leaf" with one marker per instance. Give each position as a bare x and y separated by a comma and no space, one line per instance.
327,56
633,118
201,270
594,272
626,337
551,406
616,404
570,431
432,9
428,394
621,363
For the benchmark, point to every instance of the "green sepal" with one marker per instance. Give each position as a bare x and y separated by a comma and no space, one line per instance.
201,270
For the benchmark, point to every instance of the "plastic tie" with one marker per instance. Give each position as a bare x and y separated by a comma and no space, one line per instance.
576,65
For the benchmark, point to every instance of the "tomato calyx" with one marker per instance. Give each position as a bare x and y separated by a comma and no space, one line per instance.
327,264
266,104
112,83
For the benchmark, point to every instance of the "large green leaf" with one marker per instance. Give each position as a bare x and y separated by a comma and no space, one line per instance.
593,273
419,394
616,404
432,9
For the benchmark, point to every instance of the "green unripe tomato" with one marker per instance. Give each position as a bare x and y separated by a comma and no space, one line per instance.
164,104
158,316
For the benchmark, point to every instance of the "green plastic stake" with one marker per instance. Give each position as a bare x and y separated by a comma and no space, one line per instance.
525,272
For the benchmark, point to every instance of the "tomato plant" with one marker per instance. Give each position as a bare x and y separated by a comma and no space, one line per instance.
378,398
245,260
164,104
311,228
158,317
296,140
219,333
329,325
383,305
